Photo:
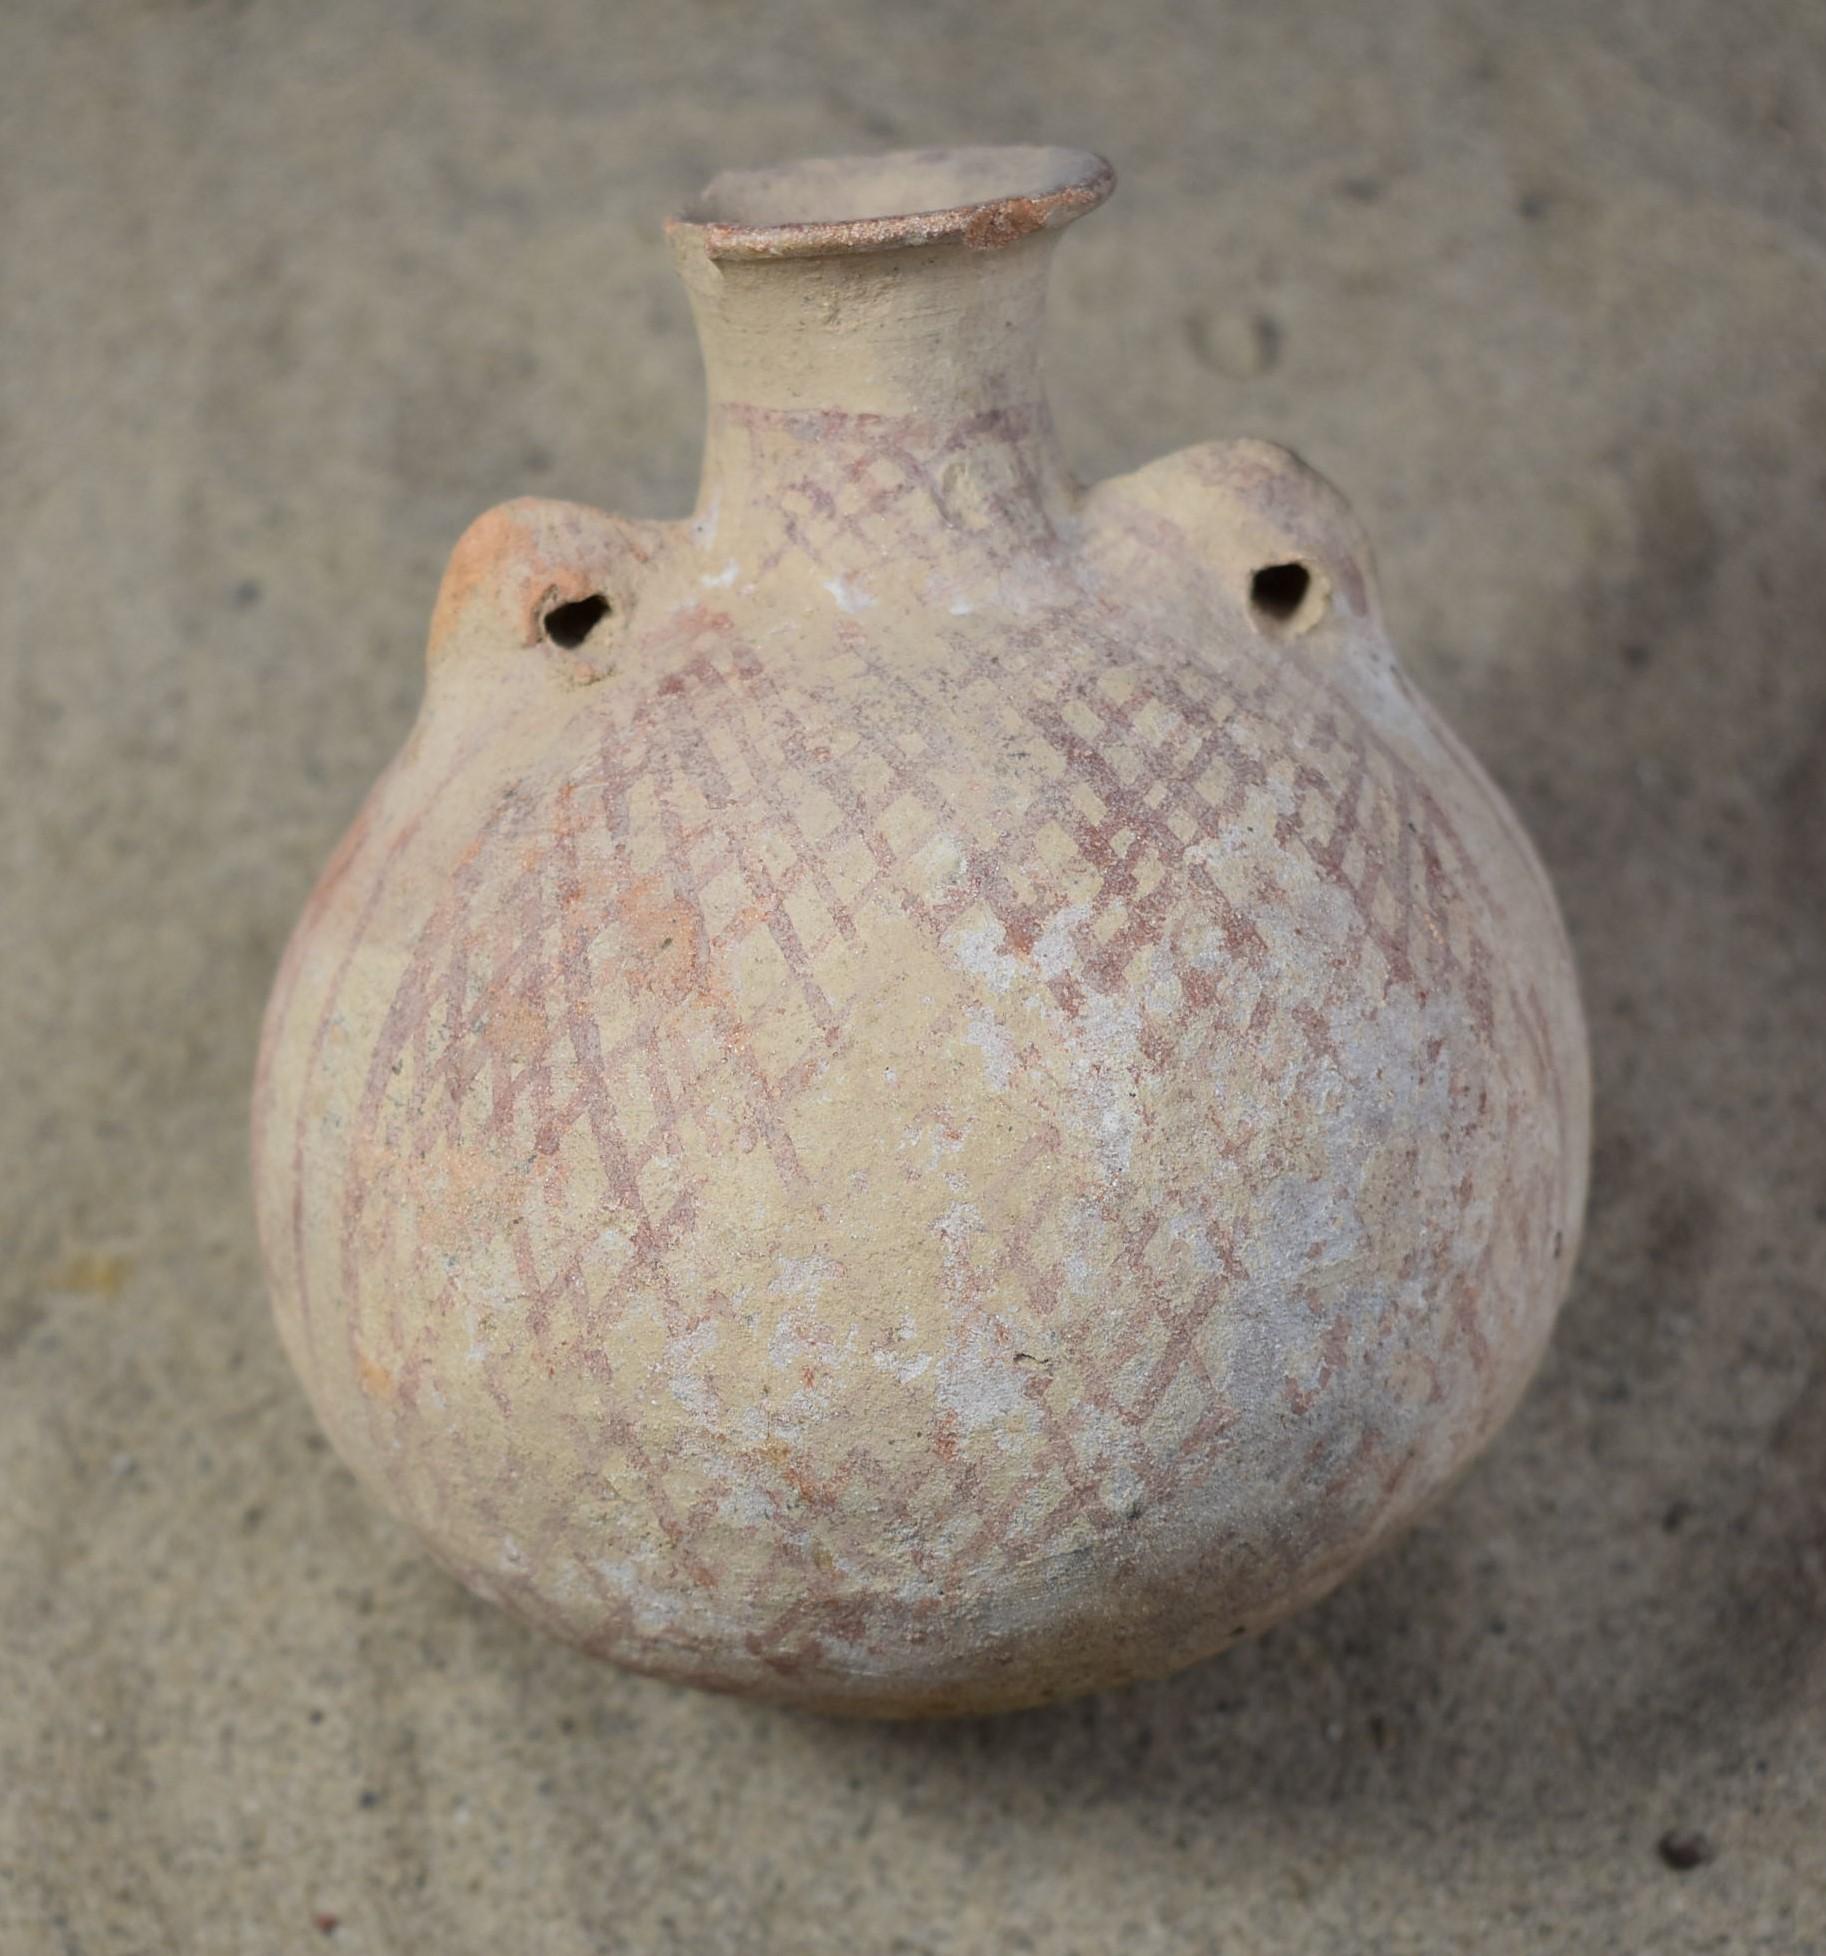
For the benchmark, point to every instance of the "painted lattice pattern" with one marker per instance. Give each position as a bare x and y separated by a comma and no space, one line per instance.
655,957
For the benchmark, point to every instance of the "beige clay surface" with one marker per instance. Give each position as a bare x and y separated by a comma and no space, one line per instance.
909,1097
285,306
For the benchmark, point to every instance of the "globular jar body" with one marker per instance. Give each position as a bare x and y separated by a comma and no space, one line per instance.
930,1089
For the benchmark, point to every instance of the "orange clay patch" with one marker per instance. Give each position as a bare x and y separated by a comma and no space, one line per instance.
501,555
376,1381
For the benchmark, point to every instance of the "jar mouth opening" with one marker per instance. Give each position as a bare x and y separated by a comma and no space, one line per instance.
828,205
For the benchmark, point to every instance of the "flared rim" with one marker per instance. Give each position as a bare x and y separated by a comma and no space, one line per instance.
982,197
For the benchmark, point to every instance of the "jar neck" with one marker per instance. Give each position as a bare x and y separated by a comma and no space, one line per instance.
840,386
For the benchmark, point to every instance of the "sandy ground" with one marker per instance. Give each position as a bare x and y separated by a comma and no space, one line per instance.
286,297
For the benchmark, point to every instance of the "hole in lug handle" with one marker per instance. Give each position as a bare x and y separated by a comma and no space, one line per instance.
1278,593
569,625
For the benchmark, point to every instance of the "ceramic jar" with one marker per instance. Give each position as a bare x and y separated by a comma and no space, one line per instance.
930,1089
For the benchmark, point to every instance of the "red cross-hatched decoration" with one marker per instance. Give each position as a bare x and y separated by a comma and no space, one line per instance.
749,851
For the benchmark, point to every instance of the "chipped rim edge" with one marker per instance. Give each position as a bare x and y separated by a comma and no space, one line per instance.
983,225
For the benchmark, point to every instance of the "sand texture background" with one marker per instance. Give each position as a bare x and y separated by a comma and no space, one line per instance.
287,296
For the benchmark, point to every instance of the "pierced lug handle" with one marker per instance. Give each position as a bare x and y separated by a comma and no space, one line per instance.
1280,537
537,575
